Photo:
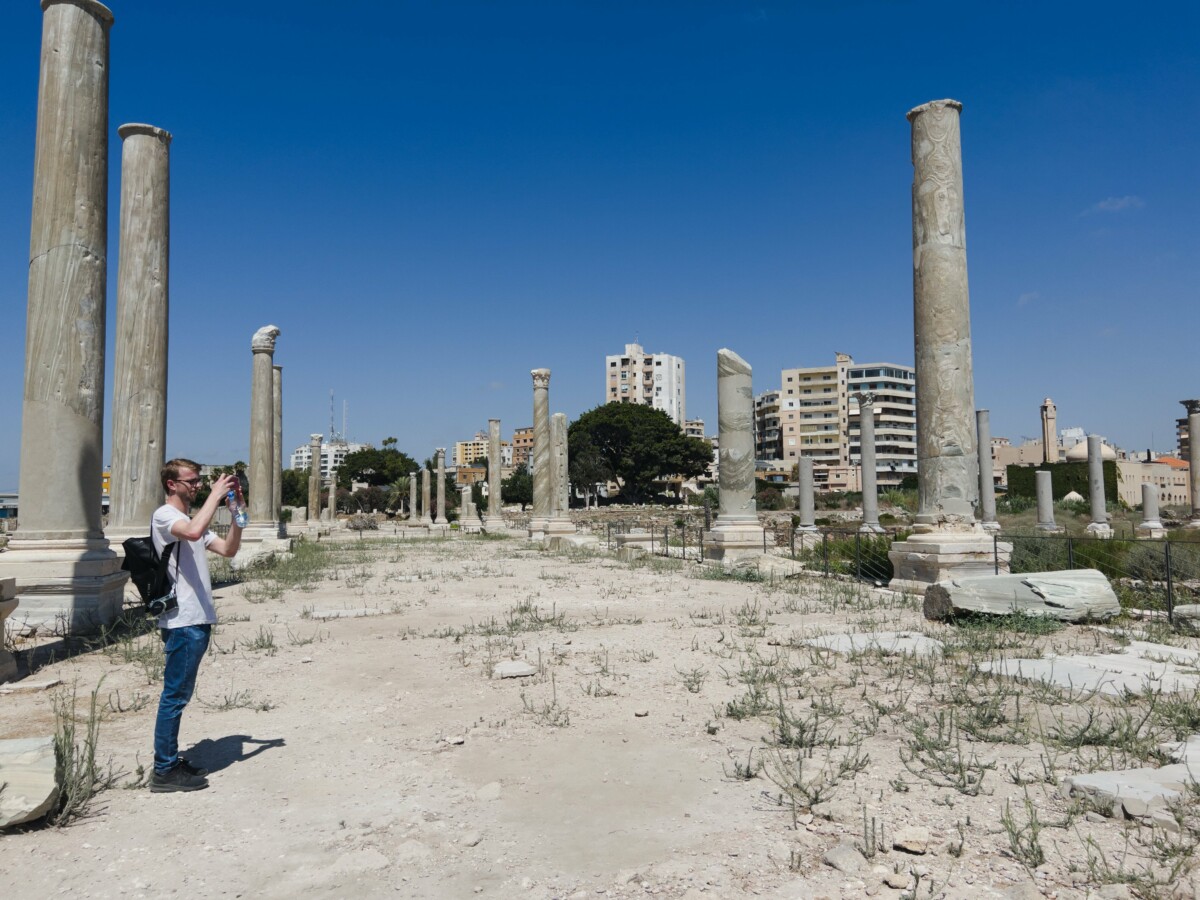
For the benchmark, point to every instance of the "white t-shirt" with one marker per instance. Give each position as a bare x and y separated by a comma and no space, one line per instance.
188,570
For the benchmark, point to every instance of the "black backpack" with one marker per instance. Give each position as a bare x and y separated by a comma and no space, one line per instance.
148,572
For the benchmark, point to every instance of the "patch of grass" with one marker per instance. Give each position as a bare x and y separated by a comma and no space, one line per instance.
80,777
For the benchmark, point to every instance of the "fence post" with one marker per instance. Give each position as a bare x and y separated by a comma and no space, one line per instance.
996,552
858,555
1170,583
1070,552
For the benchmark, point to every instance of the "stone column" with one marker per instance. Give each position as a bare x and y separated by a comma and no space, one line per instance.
494,521
540,457
1049,431
1193,424
736,532
465,519
987,484
1152,526
441,488
1045,502
413,510
560,520
866,452
426,518
946,542
806,501
140,370
1099,525
314,478
277,458
63,566
331,500
262,436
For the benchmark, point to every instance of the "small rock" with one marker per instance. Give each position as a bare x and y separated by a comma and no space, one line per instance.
844,857
513,668
897,880
306,659
912,839
1114,892
472,839
1095,818
490,791
641,713
456,739
29,774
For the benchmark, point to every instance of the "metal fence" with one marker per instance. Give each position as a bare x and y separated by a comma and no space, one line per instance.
1153,575
827,552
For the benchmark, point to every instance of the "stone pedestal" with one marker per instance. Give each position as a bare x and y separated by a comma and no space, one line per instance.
866,450
1151,526
1045,503
67,576
924,559
987,486
441,488
494,521
540,457
736,532
1099,526
8,605
1193,421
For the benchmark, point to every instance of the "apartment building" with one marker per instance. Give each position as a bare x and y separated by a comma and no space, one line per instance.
651,379
332,454
767,435
694,428
819,418
522,446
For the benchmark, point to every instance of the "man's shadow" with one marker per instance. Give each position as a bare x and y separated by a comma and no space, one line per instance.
224,752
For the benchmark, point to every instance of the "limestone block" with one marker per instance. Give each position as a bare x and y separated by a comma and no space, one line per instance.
29,778
1139,793
1074,596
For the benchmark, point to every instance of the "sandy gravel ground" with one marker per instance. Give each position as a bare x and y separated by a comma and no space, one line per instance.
378,756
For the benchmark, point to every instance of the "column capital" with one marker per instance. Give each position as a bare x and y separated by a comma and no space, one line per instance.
865,398
264,339
541,378
1192,406
315,438
932,105
135,128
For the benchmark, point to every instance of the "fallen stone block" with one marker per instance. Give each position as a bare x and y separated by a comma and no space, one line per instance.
513,668
890,643
1079,595
1145,793
28,780
29,687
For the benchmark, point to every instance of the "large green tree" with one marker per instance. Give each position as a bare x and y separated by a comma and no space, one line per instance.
295,487
634,446
375,467
517,487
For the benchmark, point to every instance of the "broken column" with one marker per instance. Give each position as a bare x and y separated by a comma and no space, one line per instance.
140,369
543,476
1049,431
1152,526
1045,502
1099,525
560,519
277,456
331,500
987,485
314,478
806,501
1193,424
66,573
441,488
413,513
736,532
494,521
946,541
426,518
866,453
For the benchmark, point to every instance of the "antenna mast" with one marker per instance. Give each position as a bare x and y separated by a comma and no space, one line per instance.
332,433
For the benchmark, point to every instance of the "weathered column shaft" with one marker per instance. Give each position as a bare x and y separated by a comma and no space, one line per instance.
262,426
62,414
987,485
314,478
1096,480
1193,424
1150,505
331,500
947,466
140,368
735,418
495,501
558,441
806,501
1045,501
414,511
464,504
866,453
426,516
441,488
277,439
543,477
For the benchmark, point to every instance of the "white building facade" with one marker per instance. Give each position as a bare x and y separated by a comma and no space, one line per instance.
650,379
332,454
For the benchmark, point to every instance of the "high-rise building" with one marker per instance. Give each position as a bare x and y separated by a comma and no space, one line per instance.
818,417
332,453
767,443
651,379
466,452
522,446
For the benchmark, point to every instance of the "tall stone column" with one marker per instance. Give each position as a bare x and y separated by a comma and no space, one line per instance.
1045,502
560,520
736,532
543,476
331,500
63,566
314,478
413,510
870,474
1193,424
441,488
262,436
465,518
806,500
1049,431
1099,525
494,521
1152,526
946,542
277,457
140,369
426,517
987,485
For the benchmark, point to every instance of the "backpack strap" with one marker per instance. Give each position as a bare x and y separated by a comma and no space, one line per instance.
164,562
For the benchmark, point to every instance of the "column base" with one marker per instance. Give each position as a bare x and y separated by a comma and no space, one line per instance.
566,541
493,524
871,528
537,528
67,587
930,557
732,542
1099,529
1151,531
991,527
557,526
1048,528
1194,523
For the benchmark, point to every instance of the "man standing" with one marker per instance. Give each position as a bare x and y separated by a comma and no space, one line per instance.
186,629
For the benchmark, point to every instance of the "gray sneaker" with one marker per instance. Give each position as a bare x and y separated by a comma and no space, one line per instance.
177,779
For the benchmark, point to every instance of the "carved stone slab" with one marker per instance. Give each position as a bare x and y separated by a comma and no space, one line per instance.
28,773
1075,596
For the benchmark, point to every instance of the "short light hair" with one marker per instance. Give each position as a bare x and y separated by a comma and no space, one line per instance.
170,470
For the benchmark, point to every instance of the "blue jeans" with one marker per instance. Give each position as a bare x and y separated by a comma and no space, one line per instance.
184,648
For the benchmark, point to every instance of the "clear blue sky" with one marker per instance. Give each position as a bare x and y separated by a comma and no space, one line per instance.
430,199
